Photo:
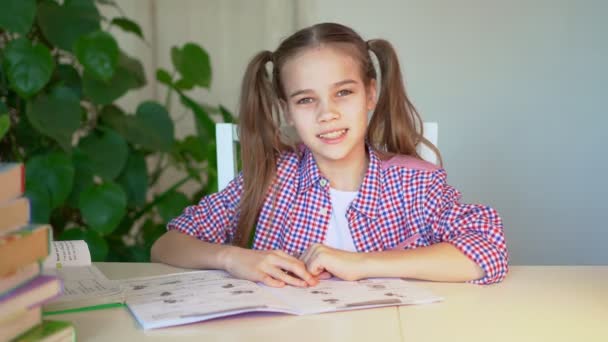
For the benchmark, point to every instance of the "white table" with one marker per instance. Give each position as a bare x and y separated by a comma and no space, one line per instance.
534,303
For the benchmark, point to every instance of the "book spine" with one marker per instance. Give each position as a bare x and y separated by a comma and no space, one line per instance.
24,246
22,174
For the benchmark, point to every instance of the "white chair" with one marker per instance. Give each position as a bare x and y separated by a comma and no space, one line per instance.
226,136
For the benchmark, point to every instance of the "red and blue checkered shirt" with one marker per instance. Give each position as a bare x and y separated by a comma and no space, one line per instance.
403,203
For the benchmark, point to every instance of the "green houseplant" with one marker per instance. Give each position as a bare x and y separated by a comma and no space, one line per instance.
91,167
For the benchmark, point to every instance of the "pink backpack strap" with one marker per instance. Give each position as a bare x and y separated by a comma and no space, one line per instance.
409,163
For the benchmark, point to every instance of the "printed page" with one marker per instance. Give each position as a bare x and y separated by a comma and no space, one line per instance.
194,296
338,295
68,253
84,286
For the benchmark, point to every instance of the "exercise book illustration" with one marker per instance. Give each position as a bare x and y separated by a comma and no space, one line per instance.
183,298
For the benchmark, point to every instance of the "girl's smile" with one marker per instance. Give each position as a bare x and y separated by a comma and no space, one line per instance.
333,136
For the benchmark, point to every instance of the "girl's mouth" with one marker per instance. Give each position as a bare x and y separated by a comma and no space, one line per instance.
333,134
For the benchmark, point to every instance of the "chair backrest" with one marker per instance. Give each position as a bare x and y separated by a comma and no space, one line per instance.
226,137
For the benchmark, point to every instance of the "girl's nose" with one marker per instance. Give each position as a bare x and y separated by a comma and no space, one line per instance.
327,112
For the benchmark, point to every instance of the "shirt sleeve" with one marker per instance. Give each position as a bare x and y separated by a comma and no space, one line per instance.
474,229
214,218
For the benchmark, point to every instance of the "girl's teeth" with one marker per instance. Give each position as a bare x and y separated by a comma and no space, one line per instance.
332,135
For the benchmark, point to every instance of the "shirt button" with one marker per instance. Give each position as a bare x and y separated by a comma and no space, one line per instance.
323,182
323,211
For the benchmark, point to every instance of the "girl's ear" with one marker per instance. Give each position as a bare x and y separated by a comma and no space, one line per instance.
371,95
285,109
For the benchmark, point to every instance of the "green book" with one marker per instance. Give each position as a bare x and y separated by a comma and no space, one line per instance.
59,331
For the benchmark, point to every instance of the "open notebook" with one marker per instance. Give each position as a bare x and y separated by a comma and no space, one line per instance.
201,295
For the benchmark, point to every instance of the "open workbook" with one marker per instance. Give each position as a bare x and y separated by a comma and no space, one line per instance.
201,295
188,297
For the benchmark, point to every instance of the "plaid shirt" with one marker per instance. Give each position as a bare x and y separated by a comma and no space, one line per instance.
403,203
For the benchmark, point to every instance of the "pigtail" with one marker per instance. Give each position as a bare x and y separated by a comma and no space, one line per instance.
395,126
260,141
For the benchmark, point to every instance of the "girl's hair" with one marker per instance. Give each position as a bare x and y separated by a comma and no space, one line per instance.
394,128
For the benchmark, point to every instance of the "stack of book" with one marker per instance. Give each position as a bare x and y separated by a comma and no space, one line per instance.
23,246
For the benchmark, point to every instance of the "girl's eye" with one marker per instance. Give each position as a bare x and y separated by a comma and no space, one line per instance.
305,100
344,92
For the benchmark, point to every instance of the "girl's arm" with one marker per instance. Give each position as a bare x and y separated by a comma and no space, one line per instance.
178,249
198,239
438,262
270,267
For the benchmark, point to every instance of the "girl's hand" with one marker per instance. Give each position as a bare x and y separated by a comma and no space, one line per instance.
273,268
321,260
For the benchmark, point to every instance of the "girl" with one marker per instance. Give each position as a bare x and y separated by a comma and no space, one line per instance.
353,199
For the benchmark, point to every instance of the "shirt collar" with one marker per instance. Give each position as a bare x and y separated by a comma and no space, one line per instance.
369,191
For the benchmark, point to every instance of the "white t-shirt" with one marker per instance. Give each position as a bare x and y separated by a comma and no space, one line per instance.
338,234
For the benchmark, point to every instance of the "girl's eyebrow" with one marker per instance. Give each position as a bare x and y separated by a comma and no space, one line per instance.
337,84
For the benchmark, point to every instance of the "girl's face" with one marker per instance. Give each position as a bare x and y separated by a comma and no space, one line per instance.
328,103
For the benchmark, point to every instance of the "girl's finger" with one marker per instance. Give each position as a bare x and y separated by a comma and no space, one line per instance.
270,281
324,275
297,268
283,276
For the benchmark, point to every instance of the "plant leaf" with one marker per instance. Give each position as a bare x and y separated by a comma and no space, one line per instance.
164,77
134,179
17,15
84,172
151,128
28,67
151,232
103,206
184,84
172,205
53,171
98,53
128,25
56,115
5,120
107,151
67,76
129,74
192,146
5,124
40,201
97,244
204,125
63,25
226,115
193,64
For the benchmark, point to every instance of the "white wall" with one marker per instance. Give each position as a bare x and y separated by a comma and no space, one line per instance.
517,87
